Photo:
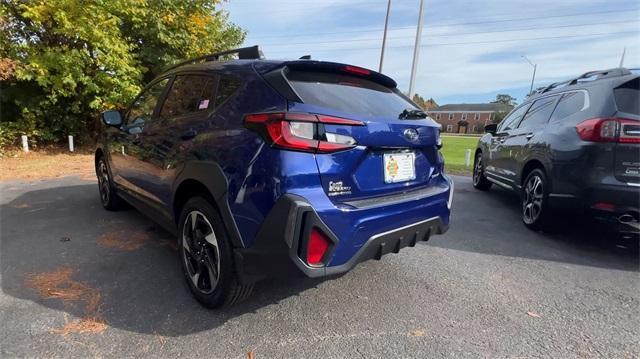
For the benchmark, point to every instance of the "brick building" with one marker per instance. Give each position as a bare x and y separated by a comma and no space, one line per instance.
466,117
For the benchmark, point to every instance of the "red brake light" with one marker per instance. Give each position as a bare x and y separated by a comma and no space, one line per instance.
299,131
356,70
609,130
317,247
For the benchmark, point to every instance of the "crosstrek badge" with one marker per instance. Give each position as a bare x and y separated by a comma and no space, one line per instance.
337,188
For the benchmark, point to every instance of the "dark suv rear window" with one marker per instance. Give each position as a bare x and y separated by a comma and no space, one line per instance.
628,96
348,94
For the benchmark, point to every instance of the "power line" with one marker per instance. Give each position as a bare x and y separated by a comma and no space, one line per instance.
454,24
453,34
486,42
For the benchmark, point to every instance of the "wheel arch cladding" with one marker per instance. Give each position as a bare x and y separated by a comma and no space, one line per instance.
99,153
530,166
205,178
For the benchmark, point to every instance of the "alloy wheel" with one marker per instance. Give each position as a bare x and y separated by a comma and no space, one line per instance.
200,252
103,182
477,170
532,199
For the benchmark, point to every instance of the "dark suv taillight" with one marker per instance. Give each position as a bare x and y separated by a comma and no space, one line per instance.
609,130
301,131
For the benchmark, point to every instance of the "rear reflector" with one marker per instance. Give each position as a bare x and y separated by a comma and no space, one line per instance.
317,247
609,130
300,131
604,206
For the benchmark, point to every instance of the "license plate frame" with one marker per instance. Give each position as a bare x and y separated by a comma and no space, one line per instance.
399,167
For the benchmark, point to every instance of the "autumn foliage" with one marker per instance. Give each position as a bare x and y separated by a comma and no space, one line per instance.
63,61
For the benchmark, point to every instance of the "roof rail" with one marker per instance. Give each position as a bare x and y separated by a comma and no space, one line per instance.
601,74
244,53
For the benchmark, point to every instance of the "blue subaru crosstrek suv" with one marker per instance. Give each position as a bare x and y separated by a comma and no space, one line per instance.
275,168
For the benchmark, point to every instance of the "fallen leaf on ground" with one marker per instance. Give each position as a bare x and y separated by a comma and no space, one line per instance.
124,240
250,355
532,314
416,333
58,284
65,239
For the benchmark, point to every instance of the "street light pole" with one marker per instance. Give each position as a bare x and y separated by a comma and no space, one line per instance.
416,52
533,78
384,35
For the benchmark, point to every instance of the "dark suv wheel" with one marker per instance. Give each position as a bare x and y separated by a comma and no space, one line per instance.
108,196
479,180
535,206
206,256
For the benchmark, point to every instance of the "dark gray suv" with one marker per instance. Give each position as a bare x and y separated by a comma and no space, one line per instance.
573,143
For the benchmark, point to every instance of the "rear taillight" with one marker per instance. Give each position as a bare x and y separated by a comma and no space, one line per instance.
609,130
301,131
317,247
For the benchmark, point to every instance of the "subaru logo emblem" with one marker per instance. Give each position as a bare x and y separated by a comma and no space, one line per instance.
411,134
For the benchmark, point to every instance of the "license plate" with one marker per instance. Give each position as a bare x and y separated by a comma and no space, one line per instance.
399,167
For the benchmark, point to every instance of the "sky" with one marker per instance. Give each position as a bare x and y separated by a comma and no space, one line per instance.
471,50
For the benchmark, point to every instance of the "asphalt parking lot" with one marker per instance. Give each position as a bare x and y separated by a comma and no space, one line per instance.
80,281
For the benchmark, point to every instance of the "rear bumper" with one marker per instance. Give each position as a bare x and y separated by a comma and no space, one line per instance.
614,202
277,250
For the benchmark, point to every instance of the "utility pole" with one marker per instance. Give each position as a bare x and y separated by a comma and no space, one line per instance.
384,35
533,78
416,52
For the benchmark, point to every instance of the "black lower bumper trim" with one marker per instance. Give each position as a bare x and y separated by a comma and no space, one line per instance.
275,252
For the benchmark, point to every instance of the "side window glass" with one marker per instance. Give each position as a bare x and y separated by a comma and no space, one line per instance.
143,107
569,104
539,112
189,94
512,119
228,86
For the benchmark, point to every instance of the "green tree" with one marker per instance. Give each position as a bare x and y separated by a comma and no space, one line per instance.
424,104
505,99
63,61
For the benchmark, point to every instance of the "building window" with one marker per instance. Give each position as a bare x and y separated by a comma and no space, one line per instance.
451,116
464,117
449,127
437,117
477,116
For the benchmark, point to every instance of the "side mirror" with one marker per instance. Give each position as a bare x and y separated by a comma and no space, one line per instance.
111,118
491,128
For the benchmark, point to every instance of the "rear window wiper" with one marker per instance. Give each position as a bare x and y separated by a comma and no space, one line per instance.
409,114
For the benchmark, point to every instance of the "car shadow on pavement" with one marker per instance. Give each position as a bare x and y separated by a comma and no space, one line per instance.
60,249
489,223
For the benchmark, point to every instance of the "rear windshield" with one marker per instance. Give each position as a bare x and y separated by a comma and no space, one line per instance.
348,94
628,96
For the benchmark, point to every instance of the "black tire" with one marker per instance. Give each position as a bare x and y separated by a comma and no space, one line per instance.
535,200
108,196
206,256
480,181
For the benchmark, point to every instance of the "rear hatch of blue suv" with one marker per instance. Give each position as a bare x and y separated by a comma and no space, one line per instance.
381,185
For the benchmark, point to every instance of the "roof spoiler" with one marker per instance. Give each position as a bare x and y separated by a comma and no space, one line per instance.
243,53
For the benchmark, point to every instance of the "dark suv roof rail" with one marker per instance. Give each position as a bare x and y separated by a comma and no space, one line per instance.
601,74
244,53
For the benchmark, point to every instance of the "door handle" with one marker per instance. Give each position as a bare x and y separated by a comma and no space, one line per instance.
529,136
187,135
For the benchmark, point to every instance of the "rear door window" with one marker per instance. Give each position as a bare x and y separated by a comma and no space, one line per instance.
348,94
628,97
539,113
569,104
228,86
190,94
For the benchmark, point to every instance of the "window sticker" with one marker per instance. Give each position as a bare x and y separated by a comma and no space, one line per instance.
203,104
